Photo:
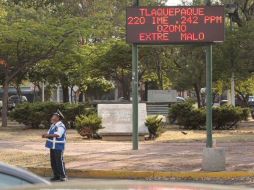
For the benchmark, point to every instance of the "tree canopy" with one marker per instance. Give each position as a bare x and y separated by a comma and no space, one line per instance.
82,43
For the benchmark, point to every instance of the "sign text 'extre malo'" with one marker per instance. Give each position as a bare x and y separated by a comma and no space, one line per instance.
168,25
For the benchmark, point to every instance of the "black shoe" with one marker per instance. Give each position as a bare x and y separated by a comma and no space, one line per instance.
63,179
55,179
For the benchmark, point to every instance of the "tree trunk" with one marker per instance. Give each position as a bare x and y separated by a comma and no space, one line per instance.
146,91
5,103
19,93
197,91
65,93
80,98
40,89
126,90
72,94
244,98
159,74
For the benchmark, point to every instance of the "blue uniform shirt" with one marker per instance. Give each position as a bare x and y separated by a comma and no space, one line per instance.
57,143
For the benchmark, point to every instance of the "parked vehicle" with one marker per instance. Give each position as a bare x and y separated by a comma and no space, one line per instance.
238,102
223,102
25,91
15,100
180,99
251,105
12,177
251,101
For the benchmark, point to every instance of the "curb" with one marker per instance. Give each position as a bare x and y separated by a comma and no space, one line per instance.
126,174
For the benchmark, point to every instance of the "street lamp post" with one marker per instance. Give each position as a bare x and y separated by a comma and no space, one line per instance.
232,74
231,9
43,92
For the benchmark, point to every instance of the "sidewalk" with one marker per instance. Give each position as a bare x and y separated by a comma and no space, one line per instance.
151,156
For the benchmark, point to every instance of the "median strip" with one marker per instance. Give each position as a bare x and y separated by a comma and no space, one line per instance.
127,174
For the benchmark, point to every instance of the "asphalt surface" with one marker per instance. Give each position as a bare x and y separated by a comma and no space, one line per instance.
246,182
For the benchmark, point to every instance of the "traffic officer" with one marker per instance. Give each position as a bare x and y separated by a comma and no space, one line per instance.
56,139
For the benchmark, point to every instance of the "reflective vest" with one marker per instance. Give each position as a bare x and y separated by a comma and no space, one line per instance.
56,143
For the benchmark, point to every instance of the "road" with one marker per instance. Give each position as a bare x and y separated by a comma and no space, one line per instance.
247,182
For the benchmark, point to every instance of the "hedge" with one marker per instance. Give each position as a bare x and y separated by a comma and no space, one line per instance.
37,115
224,117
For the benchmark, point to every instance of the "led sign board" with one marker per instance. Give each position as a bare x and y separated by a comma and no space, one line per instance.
171,25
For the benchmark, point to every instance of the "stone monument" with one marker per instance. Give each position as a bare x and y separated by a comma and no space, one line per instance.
117,119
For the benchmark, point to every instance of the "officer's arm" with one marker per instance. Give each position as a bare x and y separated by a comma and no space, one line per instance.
60,131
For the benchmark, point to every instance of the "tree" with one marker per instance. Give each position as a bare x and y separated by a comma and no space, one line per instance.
244,11
114,63
236,55
188,70
245,89
154,63
28,36
95,27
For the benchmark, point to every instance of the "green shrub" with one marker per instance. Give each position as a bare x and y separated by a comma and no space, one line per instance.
245,114
88,125
37,115
179,111
224,117
21,114
195,119
153,123
187,116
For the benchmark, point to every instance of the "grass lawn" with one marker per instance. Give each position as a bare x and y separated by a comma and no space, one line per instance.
25,134
172,133
27,159
244,133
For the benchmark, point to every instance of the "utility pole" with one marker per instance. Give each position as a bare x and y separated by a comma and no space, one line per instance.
58,94
233,74
209,98
135,92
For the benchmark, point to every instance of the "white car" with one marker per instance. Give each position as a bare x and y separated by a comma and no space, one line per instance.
11,177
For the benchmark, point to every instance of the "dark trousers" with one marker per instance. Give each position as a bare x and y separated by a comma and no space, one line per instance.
57,163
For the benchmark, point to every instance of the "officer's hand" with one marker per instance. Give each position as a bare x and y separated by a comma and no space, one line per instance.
44,136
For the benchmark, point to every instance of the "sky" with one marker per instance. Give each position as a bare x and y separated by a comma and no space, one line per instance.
175,2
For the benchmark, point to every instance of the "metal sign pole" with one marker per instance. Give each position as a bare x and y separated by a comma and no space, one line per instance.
134,97
209,99
135,92
209,125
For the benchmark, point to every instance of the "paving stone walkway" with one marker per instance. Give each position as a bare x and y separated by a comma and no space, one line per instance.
151,155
